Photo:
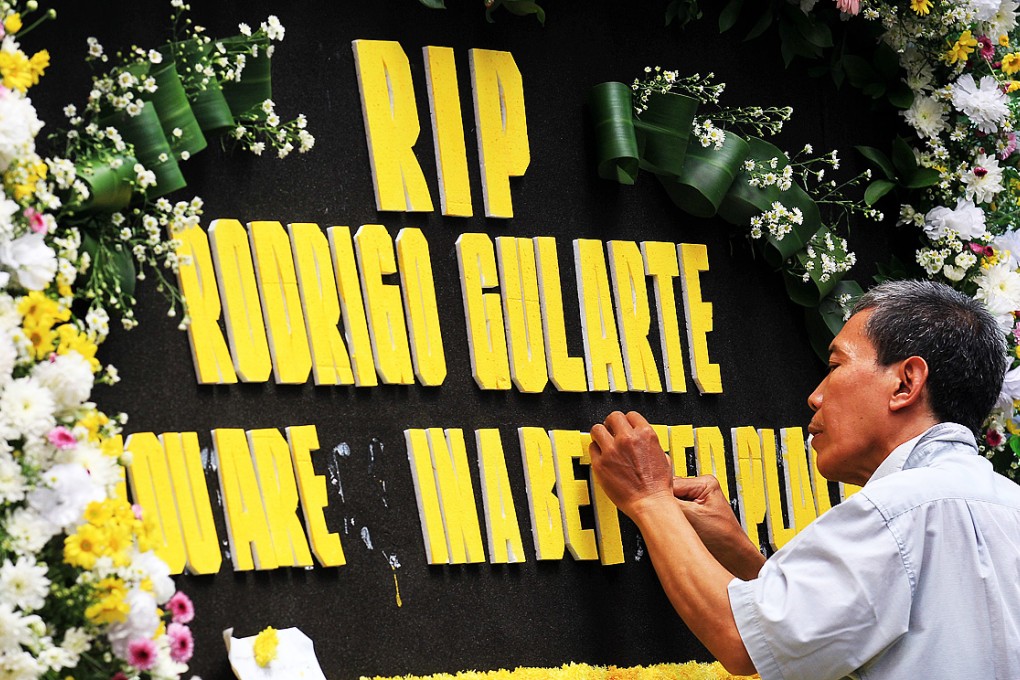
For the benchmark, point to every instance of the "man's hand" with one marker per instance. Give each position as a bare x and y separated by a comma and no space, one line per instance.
708,511
628,462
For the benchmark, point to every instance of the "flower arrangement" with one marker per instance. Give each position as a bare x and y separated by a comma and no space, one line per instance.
691,670
956,174
83,592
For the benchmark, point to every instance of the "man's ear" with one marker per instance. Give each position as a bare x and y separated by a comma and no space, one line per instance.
912,373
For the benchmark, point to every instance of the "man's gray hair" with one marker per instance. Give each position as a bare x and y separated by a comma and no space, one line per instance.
956,335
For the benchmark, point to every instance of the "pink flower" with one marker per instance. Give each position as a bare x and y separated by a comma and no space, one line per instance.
35,220
182,644
993,437
119,675
987,49
180,608
137,511
142,654
849,6
1010,147
979,249
61,437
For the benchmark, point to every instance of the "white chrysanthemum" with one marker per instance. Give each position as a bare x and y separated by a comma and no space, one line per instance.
9,316
103,470
8,357
927,116
165,667
30,260
15,629
984,181
8,209
1004,20
56,658
12,482
22,666
19,125
141,622
148,565
76,641
66,491
966,221
999,289
983,102
68,376
1008,242
984,10
23,584
26,409
1010,391
28,531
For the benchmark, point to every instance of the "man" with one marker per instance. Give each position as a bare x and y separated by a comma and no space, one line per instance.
915,576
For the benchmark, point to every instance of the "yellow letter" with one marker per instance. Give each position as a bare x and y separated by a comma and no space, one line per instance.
573,493
420,302
382,300
567,372
321,304
456,495
242,503
490,365
430,517
607,517
598,324
325,544
661,265
193,507
281,302
519,282
235,273
634,317
781,534
198,286
447,131
355,322
152,489
501,126
543,505
799,499
710,455
681,438
279,495
391,125
750,480
819,484
694,259
504,534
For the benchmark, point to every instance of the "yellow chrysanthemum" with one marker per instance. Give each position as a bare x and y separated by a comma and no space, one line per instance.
962,48
1011,63
38,310
99,513
146,532
63,287
265,646
84,546
921,7
16,70
70,338
93,422
12,23
111,606
1004,40
38,64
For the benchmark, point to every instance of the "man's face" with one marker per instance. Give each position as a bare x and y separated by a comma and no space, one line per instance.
851,407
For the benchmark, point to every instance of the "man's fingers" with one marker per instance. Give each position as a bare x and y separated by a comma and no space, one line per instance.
616,423
600,437
636,420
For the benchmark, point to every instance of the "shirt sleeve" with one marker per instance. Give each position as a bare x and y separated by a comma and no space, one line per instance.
834,597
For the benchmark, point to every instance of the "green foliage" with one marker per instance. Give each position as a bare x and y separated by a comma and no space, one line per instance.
683,12
900,171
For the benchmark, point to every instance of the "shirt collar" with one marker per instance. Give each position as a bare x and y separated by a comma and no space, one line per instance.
898,459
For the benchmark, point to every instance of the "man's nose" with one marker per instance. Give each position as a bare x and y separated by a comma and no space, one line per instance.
814,400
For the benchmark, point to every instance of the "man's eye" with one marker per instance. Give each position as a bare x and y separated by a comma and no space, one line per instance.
832,367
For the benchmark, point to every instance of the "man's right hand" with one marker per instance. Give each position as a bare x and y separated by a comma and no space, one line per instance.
708,511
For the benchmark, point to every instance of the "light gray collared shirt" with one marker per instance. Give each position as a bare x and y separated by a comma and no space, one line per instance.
915,576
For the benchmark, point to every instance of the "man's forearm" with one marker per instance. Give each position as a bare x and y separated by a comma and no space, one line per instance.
695,582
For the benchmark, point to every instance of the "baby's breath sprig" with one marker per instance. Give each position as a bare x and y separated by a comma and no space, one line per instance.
257,129
754,120
661,81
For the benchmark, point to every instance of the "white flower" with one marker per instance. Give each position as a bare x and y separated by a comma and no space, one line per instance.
999,289
12,483
18,126
30,260
26,409
984,10
28,531
141,622
103,470
68,377
1010,391
15,629
984,180
966,221
927,116
1004,20
66,491
23,584
8,357
1009,242
984,102
152,567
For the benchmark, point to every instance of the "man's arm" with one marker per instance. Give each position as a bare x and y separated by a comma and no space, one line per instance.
635,473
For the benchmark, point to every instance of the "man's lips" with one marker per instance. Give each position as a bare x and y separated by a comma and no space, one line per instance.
813,429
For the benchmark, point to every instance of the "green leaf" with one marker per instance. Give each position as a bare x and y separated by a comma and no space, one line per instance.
524,7
903,158
858,70
874,90
123,264
1014,445
879,159
759,27
433,4
729,15
877,189
811,30
672,11
923,177
901,96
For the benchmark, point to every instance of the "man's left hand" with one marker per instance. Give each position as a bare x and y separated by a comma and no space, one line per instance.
629,463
